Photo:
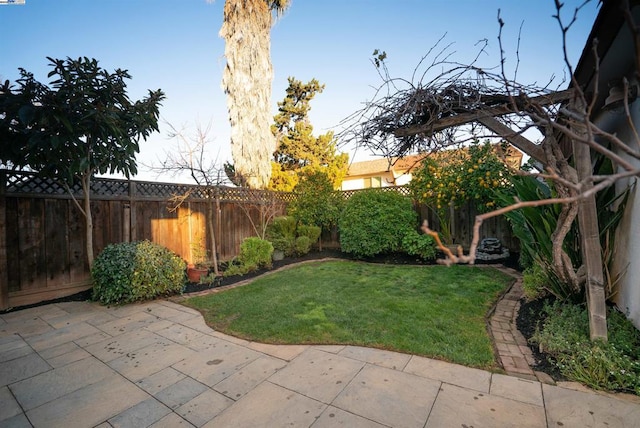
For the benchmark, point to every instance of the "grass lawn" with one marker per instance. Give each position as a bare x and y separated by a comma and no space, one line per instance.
434,311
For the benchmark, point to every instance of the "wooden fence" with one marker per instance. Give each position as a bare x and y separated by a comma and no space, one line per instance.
42,232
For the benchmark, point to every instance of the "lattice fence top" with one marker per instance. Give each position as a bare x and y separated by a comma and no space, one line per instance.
29,183
403,190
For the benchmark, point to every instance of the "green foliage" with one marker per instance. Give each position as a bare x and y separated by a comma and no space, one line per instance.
255,253
452,177
534,227
84,124
374,222
420,245
302,245
316,202
311,232
285,231
282,226
281,244
612,366
298,151
132,271
534,280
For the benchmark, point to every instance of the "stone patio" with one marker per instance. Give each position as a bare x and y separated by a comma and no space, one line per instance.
157,364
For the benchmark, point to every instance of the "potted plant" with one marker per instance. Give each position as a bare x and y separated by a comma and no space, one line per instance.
201,263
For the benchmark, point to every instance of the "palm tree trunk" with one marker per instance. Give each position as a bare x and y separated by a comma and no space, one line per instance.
247,80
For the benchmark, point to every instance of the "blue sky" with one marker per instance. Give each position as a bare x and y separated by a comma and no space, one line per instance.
174,45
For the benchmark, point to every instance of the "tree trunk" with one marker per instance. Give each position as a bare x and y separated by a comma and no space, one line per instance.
590,247
86,190
247,80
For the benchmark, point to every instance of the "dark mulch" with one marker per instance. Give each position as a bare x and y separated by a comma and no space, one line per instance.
529,318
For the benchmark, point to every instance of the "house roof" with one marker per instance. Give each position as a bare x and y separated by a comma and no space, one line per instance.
384,165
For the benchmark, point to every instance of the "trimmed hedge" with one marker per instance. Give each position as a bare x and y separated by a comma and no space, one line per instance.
374,222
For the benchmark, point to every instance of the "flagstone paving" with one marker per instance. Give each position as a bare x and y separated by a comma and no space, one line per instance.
156,364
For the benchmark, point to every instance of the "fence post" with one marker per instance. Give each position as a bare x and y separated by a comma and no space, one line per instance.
4,271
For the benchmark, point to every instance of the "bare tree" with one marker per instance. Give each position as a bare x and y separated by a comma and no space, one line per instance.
191,157
427,113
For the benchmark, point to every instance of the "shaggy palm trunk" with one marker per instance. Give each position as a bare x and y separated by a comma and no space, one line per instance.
247,82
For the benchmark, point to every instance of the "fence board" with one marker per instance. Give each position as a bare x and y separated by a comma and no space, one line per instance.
56,243
78,267
12,242
31,251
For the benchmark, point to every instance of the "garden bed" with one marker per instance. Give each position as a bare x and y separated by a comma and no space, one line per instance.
391,258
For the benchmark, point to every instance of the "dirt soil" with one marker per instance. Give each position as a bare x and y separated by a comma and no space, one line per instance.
530,316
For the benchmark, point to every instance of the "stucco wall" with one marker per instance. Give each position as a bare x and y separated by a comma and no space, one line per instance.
626,261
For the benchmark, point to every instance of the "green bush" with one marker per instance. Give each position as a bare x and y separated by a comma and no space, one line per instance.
612,366
282,227
132,271
255,253
282,244
374,222
419,245
316,202
311,232
283,233
534,279
302,245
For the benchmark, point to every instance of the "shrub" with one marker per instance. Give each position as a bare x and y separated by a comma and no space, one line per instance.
612,366
533,282
132,271
302,245
281,227
374,222
316,202
255,253
419,245
311,232
283,233
282,244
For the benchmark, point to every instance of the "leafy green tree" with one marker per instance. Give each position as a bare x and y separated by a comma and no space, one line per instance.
316,202
83,125
451,178
299,151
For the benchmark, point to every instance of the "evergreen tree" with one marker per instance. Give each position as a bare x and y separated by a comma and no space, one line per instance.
298,150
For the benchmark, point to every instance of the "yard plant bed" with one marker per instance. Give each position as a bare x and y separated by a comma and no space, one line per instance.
433,311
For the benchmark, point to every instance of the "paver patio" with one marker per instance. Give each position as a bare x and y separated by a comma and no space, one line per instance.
157,364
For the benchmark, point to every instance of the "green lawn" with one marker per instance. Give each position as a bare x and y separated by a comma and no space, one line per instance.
434,311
